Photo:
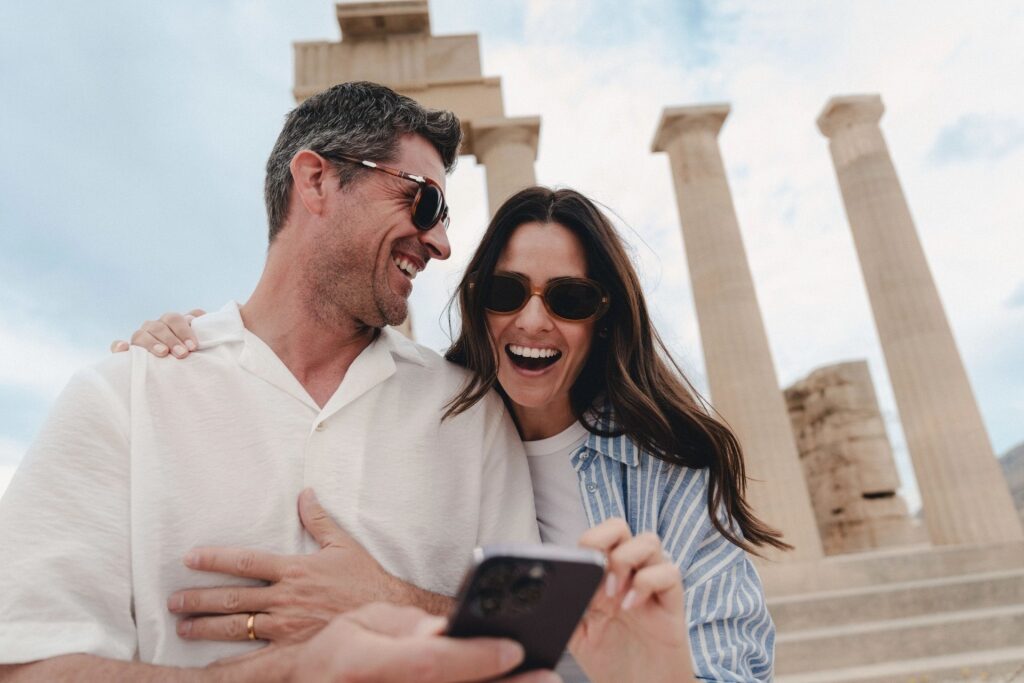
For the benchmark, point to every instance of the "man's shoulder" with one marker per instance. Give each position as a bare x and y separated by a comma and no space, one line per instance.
423,361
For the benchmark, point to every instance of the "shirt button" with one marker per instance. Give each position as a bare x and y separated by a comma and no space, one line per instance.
591,487
320,426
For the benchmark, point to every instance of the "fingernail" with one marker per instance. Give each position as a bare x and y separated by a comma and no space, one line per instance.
175,603
510,653
191,559
184,627
629,600
123,346
610,586
190,344
179,350
159,348
309,494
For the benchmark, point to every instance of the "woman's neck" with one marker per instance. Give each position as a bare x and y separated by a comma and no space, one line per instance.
544,421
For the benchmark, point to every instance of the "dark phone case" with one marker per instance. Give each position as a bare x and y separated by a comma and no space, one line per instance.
545,627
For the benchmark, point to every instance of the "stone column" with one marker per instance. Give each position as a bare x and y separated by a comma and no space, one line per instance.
507,149
965,497
743,384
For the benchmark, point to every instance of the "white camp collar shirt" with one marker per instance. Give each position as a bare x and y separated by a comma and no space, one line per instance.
144,458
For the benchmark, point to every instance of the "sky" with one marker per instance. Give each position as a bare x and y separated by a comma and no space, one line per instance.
134,136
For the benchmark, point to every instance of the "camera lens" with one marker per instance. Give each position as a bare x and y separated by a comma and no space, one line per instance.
527,591
496,578
490,602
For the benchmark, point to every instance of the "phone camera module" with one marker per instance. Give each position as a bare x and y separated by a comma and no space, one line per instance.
528,591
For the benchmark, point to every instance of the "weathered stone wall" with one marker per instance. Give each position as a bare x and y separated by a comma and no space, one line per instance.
848,462
1013,469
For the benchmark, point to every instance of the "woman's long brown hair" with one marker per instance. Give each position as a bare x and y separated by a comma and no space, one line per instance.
629,381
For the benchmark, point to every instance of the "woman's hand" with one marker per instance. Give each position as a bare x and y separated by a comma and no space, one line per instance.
303,594
635,629
171,333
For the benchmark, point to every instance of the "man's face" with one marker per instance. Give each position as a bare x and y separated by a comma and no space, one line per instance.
368,250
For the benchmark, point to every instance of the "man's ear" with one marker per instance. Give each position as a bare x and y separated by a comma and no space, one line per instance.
312,175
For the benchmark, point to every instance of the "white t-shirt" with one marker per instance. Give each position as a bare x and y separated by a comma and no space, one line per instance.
143,458
556,486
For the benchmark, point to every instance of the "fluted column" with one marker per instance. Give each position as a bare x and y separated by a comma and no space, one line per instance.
507,149
743,384
965,497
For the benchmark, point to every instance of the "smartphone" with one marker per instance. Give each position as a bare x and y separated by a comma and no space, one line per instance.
534,594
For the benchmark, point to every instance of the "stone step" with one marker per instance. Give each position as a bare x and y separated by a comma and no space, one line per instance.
840,572
893,640
1003,665
897,600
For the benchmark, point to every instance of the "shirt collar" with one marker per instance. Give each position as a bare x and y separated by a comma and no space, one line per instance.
401,346
620,449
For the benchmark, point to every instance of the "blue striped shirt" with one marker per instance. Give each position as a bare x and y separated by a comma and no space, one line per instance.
732,636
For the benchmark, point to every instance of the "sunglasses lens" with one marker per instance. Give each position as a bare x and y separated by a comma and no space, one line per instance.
505,294
574,300
428,209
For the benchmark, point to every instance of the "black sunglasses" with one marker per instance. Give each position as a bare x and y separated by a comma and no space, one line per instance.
428,207
575,299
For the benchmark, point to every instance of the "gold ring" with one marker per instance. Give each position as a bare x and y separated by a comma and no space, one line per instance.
250,625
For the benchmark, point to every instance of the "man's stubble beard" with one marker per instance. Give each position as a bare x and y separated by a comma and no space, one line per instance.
342,286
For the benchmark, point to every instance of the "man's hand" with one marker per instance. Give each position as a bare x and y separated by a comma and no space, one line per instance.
304,593
392,644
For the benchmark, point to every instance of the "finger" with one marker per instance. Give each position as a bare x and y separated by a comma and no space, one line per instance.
262,652
181,329
392,620
605,537
227,600
660,582
166,336
541,676
636,553
227,627
193,314
632,555
147,341
446,660
318,522
118,346
244,562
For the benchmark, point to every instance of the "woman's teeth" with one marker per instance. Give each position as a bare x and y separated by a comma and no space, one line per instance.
405,266
529,352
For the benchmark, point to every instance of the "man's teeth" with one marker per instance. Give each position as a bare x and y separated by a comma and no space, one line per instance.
529,352
405,266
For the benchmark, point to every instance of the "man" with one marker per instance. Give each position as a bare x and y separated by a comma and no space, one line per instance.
142,460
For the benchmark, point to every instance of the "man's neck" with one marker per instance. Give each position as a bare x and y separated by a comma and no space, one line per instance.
317,352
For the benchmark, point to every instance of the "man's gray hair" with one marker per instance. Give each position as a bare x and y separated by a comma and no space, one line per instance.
359,119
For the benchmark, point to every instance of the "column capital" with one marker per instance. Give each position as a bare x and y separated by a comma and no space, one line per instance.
365,20
677,120
849,110
484,134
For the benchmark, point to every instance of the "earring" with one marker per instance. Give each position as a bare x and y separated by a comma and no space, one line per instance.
603,333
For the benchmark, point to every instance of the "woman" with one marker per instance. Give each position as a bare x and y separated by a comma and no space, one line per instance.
621,451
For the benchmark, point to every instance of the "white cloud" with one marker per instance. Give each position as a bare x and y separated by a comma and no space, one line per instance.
41,357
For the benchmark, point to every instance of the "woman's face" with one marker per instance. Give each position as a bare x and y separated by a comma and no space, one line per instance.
540,252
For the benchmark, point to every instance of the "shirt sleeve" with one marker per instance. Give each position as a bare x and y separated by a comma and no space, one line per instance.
732,636
64,520
507,512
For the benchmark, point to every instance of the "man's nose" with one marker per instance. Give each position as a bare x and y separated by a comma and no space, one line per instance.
436,241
